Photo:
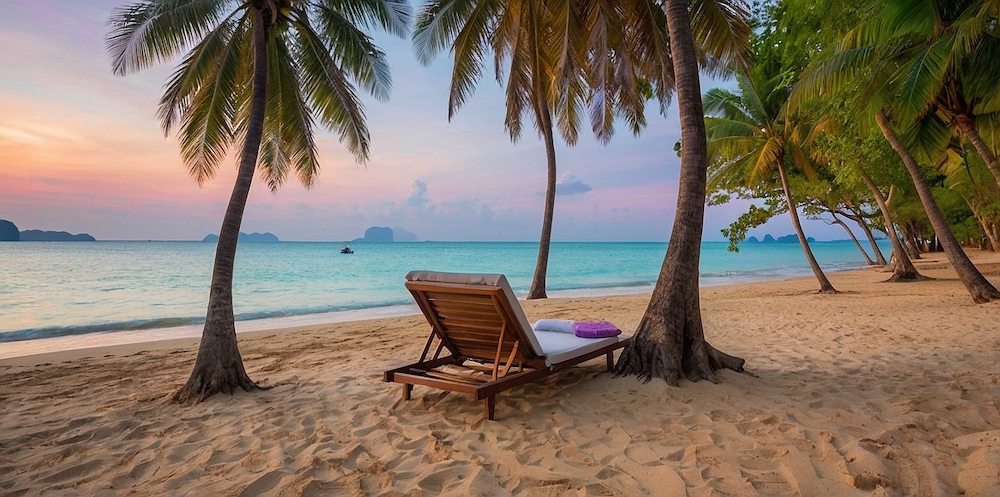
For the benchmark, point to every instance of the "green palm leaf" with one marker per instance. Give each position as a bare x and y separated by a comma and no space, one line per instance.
353,50
146,33
923,79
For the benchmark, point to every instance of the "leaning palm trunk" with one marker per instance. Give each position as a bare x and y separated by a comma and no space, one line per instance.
879,258
967,127
984,225
903,270
978,286
858,218
824,284
670,339
537,290
994,243
219,366
837,221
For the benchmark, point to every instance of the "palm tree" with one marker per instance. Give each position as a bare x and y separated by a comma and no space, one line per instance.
978,286
751,136
670,340
258,72
944,52
538,43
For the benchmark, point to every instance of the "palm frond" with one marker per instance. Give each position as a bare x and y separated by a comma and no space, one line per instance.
724,103
927,137
438,23
330,93
722,28
519,92
801,160
767,156
287,140
842,70
353,50
394,16
196,67
209,121
145,33
922,79
718,128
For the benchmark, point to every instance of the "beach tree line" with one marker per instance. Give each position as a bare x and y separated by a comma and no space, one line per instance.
883,106
836,105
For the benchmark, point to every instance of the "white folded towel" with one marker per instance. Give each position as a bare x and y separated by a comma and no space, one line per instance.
559,325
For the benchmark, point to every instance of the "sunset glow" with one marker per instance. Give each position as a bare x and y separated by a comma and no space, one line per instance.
81,151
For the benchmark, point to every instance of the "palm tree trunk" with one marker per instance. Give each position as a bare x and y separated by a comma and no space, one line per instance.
879,258
850,233
537,289
670,340
903,269
824,284
978,286
990,235
967,127
219,366
994,246
858,217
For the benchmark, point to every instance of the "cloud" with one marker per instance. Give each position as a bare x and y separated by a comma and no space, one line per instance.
417,190
569,185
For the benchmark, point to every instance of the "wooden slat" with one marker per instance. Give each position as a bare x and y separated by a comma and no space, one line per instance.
464,324
492,323
471,380
439,294
470,314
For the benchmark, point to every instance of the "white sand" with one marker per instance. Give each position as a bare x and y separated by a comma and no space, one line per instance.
884,389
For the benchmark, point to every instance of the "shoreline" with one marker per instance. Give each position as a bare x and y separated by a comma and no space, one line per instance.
881,390
109,338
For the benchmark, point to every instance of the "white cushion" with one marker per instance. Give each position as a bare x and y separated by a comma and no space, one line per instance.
558,347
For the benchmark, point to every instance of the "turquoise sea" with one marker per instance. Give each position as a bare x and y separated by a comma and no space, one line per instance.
69,289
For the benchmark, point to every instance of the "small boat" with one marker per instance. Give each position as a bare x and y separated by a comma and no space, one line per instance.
346,249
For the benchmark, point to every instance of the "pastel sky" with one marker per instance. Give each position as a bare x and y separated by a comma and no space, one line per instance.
81,151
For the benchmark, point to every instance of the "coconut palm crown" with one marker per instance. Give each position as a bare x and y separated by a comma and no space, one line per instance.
315,51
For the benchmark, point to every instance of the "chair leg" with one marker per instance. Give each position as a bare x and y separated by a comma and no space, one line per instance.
407,388
611,361
491,403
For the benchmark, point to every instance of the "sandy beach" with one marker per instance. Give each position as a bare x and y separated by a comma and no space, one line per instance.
883,390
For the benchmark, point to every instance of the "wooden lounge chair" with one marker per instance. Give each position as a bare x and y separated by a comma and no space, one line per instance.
490,345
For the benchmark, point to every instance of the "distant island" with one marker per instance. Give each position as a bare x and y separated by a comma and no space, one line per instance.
377,234
246,238
781,239
10,233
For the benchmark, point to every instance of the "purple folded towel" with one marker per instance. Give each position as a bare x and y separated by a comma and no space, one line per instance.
595,329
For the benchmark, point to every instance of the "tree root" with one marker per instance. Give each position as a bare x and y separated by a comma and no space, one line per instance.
647,359
210,379
907,278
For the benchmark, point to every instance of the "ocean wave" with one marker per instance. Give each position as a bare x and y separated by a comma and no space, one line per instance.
152,324
601,286
62,331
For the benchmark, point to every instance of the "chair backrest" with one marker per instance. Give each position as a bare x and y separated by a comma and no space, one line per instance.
469,311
